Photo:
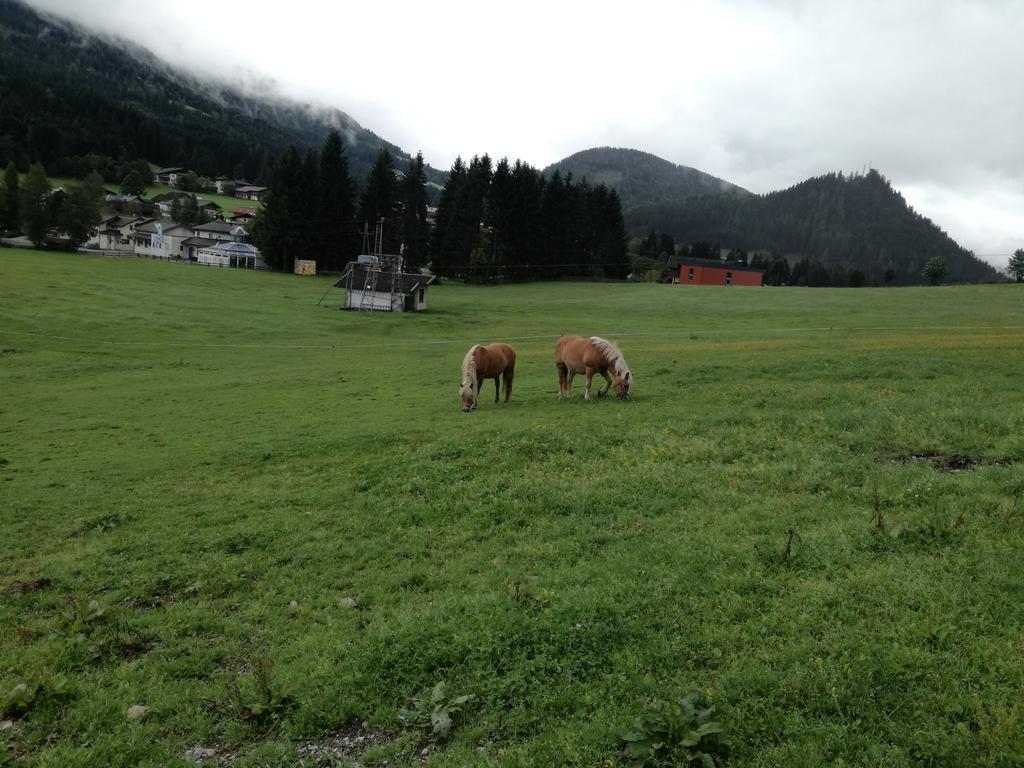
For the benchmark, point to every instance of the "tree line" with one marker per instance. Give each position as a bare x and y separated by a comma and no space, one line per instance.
314,211
492,223
38,210
841,225
511,222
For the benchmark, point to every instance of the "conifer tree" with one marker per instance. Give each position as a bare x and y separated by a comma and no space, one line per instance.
275,232
378,202
1015,268
10,205
81,210
415,227
35,205
441,239
334,227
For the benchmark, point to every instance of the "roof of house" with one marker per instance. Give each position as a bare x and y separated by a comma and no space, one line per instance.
166,227
199,242
240,211
207,204
167,197
167,170
219,225
675,262
233,249
250,189
408,282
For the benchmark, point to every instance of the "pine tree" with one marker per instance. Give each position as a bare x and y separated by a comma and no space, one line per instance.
35,205
335,221
442,242
10,205
379,202
81,210
1016,266
306,217
525,232
497,220
275,232
415,227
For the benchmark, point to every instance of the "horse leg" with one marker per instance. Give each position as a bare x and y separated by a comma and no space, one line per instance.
569,375
497,388
562,375
603,392
590,378
509,374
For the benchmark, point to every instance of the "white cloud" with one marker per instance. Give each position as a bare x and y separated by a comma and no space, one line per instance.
763,94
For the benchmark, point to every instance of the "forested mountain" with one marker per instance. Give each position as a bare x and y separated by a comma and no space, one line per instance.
640,178
845,223
66,95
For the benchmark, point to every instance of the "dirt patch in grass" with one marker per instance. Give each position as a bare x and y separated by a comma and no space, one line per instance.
348,743
948,462
25,586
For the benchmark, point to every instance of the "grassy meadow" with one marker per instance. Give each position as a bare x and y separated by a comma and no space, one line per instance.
234,520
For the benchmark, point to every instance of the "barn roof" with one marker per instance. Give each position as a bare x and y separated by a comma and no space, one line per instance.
407,281
675,262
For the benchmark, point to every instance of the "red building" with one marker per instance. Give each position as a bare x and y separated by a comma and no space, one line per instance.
710,272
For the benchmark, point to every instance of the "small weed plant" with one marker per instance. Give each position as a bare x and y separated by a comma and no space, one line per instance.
434,715
19,698
260,697
675,733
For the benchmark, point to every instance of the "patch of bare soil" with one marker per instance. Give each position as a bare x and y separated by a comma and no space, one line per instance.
28,585
348,743
948,462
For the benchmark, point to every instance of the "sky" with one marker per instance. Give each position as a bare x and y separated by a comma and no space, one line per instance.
763,94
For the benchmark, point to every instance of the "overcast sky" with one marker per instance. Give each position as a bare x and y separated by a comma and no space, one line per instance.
763,94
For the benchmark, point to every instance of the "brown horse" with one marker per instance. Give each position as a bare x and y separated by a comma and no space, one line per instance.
576,354
486,361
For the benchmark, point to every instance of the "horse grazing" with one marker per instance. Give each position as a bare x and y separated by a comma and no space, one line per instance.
486,361
576,354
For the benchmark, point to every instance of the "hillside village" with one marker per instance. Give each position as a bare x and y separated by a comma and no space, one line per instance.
134,224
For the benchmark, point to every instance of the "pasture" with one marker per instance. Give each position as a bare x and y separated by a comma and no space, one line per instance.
269,523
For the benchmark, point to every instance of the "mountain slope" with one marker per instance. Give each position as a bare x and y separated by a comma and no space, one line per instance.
66,93
640,177
846,222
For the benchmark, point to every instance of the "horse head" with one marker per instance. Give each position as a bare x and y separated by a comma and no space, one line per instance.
467,396
623,383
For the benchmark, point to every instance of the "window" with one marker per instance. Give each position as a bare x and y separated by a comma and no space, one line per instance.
689,275
728,278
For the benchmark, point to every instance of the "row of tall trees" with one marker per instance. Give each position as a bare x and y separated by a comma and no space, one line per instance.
312,210
504,222
509,222
47,215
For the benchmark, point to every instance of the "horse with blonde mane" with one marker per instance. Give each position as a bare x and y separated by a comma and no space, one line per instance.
486,361
576,354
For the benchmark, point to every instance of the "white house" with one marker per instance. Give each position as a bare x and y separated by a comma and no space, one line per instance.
220,230
168,176
160,239
250,192
231,254
115,233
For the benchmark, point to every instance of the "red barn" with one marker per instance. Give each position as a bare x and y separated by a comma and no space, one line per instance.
710,272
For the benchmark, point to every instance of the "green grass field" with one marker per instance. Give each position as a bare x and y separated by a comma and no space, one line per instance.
268,522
